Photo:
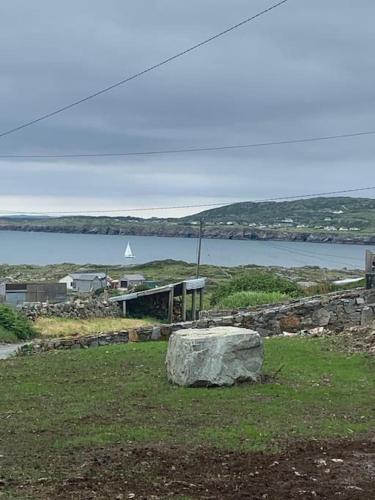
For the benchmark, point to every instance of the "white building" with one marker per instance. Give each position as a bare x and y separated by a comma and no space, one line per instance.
68,280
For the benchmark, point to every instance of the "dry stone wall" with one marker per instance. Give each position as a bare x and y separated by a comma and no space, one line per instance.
78,309
335,311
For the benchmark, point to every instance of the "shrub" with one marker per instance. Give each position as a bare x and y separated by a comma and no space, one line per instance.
239,300
255,281
7,337
15,324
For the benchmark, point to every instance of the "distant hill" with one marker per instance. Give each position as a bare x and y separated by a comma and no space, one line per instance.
321,220
352,214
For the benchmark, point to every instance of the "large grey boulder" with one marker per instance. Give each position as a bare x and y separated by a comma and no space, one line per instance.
214,356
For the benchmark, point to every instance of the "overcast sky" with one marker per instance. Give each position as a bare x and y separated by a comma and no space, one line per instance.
305,69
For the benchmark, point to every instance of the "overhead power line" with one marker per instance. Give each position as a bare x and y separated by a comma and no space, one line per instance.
141,73
189,150
204,205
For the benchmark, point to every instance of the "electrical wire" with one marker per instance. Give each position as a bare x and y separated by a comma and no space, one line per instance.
188,150
204,205
140,73
318,255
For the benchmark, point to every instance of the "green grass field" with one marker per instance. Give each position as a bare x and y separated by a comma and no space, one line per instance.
99,396
56,408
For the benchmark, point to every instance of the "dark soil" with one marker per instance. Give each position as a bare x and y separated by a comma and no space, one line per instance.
339,469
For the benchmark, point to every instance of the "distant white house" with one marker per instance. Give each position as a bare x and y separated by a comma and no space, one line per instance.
68,280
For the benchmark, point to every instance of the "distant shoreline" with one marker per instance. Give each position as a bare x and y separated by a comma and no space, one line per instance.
189,231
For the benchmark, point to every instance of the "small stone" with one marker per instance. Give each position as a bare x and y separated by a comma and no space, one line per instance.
322,317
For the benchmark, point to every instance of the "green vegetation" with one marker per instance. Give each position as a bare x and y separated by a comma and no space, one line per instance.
62,327
254,281
66,403
7,337
240,300
339,212
14,325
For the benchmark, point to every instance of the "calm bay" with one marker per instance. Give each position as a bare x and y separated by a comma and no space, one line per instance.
18,247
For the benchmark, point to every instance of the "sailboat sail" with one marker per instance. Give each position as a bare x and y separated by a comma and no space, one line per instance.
128,252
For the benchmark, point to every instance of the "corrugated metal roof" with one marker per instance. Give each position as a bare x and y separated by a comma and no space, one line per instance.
195,284
144,293
133,277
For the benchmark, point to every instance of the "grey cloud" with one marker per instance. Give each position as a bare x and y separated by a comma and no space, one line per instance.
306,69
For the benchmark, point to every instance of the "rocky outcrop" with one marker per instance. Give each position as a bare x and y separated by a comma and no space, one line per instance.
220,356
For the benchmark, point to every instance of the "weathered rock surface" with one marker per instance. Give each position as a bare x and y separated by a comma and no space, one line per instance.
214,356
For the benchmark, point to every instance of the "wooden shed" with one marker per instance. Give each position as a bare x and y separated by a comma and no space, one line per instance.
167,302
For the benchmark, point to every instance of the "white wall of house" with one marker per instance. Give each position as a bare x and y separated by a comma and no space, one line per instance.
68,280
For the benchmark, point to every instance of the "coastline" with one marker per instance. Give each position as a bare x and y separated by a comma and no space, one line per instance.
188,231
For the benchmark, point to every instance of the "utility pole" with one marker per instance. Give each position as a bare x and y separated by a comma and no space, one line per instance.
199,247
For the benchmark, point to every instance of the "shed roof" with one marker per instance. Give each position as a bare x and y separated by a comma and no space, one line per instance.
193,284
133,277
88,276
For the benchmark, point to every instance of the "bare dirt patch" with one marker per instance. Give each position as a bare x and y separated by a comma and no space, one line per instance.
339,469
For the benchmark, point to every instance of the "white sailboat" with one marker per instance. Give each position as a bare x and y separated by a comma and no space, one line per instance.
128,252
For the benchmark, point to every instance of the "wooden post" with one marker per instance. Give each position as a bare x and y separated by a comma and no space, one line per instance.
194,306
199,247
201,295
124,308
183,301
170,305
370,259
370,270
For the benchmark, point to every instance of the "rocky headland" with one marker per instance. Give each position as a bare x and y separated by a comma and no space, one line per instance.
181,230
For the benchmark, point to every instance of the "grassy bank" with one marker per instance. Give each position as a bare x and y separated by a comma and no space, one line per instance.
68,403
61,327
